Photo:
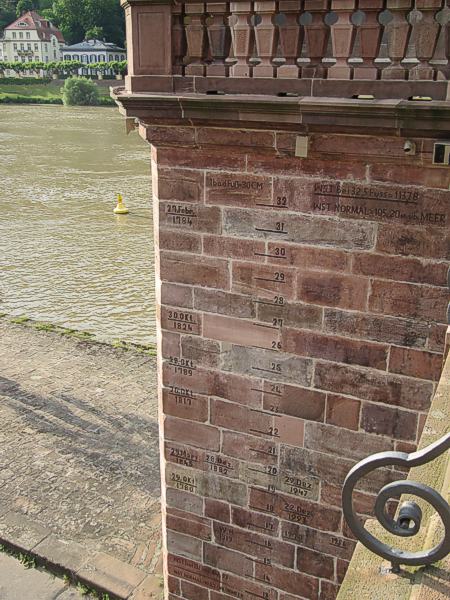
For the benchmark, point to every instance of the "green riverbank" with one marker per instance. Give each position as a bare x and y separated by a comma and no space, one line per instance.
42,92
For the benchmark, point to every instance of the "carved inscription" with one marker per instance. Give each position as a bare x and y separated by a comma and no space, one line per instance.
387,203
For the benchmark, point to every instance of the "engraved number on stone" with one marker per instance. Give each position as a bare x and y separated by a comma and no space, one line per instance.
281,201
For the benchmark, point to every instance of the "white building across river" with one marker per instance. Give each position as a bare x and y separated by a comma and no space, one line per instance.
94,51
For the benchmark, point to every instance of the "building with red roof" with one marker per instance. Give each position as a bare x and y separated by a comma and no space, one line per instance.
30,38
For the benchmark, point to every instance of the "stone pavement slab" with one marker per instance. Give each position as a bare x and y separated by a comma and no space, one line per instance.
79,455
19,583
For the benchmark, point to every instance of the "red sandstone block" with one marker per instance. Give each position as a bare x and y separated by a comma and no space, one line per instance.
343,412
239,418
183,546
404,205
181,242
184,501
436,338
177,320
236,388
359,145
291,314
415,363
176,295
341,570
165,135
194,592
185,375
350,444
201,159
329,468
328,591
407,300
283,227
305,343
192,218
308,257
205,272
411,175
254,544
289,581
193,571
240,190
233,585
173,585
315,563
295,510
400,269
201,351
329,544
226,247
303,167
249,448
342,291
294,401
290,430
364,504
189,432
217,510
235,137
266,281
182,403
378,328
374,386
185,456
170,345
424,242
189,526
258,523
238,331
180,185
395,423
224,303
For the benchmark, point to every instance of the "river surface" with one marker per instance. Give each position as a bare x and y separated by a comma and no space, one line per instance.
64,256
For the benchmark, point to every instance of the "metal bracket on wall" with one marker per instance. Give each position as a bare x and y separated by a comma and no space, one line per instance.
408,521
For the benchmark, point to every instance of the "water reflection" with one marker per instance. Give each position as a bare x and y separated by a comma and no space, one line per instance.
64,256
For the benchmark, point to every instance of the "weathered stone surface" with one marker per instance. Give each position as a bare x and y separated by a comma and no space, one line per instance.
79,450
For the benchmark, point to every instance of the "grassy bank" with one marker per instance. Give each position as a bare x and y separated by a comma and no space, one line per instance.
42,92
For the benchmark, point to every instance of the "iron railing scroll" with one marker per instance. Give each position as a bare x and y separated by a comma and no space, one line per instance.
409,516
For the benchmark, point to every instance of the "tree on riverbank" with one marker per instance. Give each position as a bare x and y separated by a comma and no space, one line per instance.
75,18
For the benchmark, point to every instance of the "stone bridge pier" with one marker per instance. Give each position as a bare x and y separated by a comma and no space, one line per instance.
302,236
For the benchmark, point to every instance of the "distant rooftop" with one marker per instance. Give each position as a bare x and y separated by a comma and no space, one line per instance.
94,45
32,20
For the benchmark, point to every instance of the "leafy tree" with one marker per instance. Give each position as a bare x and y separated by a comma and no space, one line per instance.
79,91
95,33
77,19
26,5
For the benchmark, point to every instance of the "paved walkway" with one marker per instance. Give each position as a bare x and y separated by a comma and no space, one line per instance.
79,458
18,583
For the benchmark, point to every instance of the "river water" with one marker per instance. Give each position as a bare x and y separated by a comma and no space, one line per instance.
65,257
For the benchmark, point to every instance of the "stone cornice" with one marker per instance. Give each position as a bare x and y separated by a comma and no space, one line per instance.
391,117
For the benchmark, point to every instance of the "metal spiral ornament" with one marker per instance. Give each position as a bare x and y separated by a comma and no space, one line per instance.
408,521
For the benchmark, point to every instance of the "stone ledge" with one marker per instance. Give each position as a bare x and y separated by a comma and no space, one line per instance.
99,571
301,114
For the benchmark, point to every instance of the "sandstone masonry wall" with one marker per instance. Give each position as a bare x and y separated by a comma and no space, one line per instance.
302,323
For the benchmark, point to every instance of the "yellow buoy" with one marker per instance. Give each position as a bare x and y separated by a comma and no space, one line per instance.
120,209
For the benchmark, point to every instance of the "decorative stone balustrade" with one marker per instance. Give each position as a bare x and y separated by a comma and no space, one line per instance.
276,47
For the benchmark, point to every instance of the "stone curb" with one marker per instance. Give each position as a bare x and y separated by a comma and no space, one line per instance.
100,571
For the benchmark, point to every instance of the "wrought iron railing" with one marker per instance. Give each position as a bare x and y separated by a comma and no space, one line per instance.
409,516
